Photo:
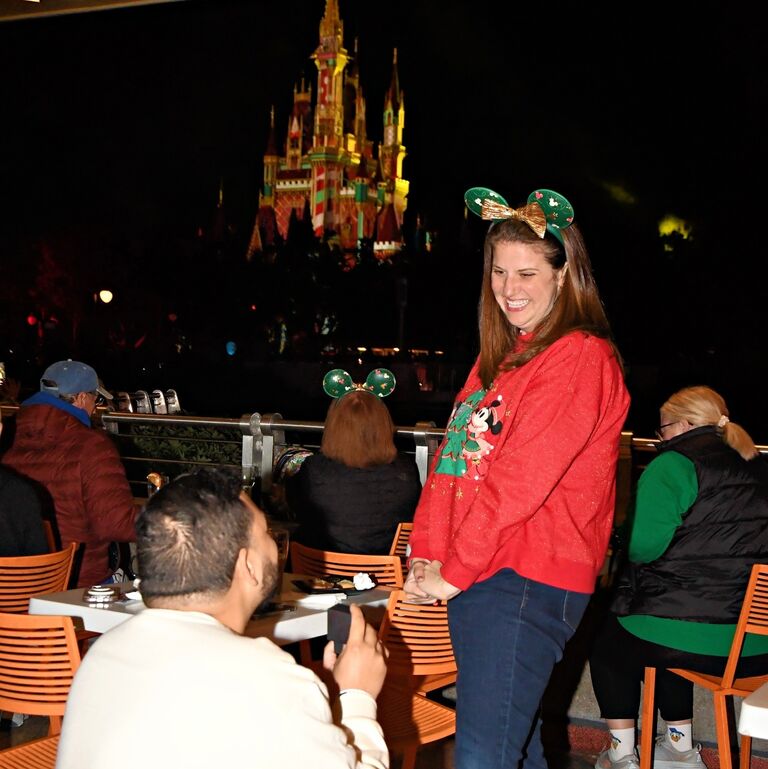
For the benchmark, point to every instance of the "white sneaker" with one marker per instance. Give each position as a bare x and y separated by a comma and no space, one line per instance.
667,756
625,762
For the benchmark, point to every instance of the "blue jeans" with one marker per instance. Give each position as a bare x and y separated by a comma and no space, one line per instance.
507,633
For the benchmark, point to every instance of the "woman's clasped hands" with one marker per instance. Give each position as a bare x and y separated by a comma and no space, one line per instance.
425,584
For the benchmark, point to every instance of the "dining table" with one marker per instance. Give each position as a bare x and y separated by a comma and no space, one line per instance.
753,718
292,614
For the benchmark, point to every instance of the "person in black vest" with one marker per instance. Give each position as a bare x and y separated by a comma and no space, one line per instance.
350,497
700,523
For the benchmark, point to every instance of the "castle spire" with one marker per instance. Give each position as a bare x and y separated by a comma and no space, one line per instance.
393,94
331,27
271,140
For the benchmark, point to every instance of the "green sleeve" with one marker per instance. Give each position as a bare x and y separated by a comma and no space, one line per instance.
666,490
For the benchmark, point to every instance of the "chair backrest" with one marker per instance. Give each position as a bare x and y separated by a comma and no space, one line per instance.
35,754
753,617
387,569
400,541
50,536
417,637
38,659
23,576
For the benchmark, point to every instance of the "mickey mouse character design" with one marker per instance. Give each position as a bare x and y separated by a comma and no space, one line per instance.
483,420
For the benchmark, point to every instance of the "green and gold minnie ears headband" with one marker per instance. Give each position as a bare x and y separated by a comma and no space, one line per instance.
546,210
380,381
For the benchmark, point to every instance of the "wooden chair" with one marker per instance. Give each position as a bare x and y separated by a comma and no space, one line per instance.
38,660
50,536
37,754
753,619
419,644
420,660
21,577
387,569
400,544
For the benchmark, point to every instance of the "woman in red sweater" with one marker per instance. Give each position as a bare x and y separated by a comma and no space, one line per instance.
513,524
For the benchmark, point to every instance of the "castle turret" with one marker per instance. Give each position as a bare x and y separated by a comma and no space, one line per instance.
391,150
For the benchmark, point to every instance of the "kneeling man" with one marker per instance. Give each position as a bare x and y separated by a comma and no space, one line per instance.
178,685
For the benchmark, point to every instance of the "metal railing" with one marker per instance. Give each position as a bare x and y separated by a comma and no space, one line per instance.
252,443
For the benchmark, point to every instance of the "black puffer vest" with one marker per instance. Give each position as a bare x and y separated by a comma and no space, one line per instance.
703,573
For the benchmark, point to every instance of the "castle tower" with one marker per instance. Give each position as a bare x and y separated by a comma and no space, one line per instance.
327,153
391,150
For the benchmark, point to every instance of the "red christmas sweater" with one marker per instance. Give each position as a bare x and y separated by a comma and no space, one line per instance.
525,477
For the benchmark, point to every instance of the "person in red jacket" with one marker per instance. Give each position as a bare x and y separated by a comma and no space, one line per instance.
513,524
80,467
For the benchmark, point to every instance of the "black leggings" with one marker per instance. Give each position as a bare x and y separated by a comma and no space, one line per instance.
617,666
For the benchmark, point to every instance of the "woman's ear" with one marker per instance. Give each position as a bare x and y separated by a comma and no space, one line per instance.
561,276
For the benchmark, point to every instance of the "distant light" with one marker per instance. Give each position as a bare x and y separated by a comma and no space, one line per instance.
173,317
362,349
31,320
396,349
619,194
674,224
231,348
253,308
106,295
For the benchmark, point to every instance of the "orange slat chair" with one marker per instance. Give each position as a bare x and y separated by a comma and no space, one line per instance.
753,619
400,543
38,660
419,644
23,576
36,754
420,660
387,569
50,536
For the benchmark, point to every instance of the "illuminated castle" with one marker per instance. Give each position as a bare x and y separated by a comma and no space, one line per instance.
328,174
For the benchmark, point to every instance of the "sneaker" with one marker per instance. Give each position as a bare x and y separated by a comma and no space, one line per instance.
667,756
625,762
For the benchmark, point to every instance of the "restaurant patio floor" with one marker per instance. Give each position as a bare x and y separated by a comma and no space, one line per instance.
578,751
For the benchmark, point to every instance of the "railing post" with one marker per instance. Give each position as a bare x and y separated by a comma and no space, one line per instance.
273,437
253,444
425,448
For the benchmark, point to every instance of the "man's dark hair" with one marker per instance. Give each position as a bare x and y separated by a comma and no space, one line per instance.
189,534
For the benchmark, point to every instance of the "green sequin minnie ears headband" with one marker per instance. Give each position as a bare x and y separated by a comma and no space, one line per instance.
380,381
546,210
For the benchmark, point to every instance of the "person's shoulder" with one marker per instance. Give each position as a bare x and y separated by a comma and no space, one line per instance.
584,343
668,463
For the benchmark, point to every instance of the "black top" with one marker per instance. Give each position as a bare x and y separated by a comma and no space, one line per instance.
21,515
349,509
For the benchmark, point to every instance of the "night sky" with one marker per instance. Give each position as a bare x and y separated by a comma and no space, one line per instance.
124,122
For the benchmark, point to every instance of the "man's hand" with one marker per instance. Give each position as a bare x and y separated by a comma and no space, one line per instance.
362,663
433,584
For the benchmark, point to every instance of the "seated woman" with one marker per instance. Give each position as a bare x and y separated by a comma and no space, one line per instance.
700,523
350,497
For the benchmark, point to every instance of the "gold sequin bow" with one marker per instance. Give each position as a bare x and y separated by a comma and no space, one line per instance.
531,214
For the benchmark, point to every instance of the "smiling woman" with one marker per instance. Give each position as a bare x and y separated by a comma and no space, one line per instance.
515,516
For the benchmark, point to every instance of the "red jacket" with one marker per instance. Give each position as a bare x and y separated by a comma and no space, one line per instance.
525,478
82,470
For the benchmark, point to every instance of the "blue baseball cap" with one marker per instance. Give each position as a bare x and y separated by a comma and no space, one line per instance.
69,377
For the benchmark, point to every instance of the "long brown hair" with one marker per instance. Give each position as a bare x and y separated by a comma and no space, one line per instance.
359,431
701,406
577,306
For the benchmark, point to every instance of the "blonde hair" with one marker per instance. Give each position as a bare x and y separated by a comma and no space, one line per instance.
700,406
